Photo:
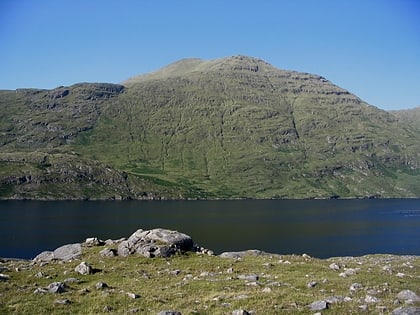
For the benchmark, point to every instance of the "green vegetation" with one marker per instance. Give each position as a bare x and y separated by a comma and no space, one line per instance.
226,128
201,284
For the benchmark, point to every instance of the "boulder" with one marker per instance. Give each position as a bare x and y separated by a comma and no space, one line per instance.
155,243
44,256
68,252
408,295
65,252
406,311
83,268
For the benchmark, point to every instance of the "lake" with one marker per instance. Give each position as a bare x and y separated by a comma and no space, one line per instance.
320,228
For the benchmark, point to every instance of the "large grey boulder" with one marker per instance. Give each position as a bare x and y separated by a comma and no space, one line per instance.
155,243
68,252
65,252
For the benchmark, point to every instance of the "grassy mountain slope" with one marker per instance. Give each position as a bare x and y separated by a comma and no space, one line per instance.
231,127
408,116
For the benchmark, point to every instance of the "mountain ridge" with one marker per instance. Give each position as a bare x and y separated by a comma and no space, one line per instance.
233,127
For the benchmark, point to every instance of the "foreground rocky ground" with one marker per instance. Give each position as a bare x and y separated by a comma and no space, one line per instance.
164,272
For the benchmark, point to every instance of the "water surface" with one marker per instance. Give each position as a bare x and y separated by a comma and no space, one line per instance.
320,228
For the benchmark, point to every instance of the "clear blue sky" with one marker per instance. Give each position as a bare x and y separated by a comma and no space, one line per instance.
369,47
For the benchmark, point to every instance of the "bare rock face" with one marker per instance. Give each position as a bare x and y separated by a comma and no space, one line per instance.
156,243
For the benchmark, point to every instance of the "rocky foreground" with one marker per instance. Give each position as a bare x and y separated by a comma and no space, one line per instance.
164,272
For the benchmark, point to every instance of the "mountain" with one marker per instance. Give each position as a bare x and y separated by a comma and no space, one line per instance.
234,127
408,116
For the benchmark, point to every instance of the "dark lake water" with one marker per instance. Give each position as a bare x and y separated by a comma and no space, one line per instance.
320,228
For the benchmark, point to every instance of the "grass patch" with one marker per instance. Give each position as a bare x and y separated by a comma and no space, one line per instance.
201,284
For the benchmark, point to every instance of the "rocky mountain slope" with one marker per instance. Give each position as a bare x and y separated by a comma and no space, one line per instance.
225,128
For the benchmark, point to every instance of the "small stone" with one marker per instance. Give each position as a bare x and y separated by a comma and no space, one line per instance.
169,313
318,305
240,312
4,277
267,290
107,309
62,302
230,270
334,266
94,241
84,268
400,275
248,277
356,287
40,290
108,252
71,280
387,268
306,256
101,285
351,271
371,299
84,291
312,284
133,295
56,287
363,307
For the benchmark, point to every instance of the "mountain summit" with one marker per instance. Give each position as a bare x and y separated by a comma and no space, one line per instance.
225,128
